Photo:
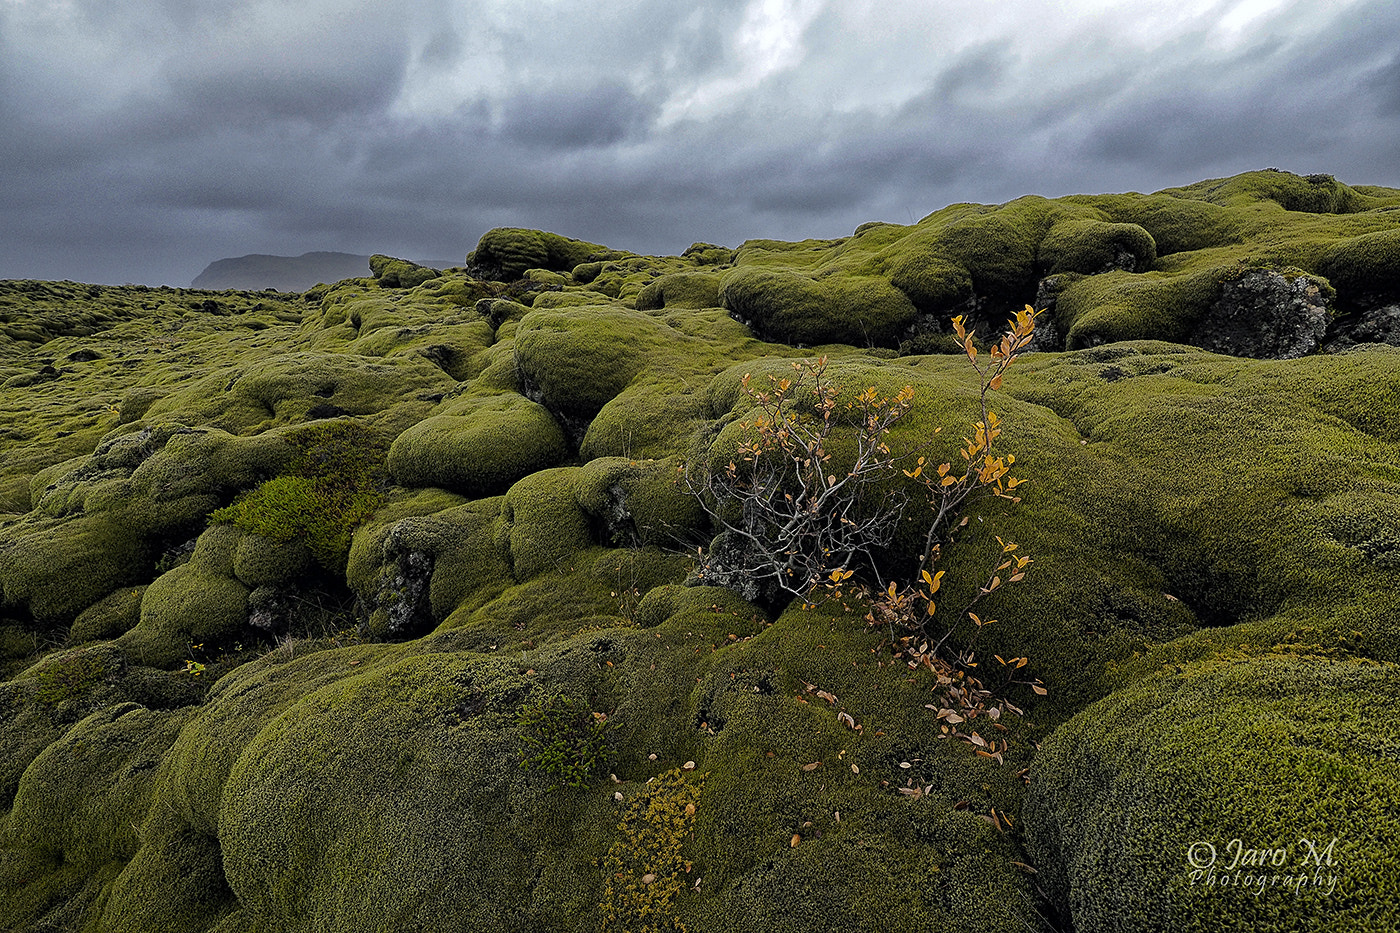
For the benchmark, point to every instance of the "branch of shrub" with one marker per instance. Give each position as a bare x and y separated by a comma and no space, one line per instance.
809,525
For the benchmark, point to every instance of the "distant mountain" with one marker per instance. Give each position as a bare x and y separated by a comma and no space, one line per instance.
288,273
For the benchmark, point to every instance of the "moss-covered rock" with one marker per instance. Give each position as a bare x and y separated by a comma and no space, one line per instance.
1365,267
1090,247
681,290
508,252
84,798
1226,795
198,603
478,445
399,273
792,308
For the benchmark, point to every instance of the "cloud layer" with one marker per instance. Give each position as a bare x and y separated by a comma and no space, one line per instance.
144,139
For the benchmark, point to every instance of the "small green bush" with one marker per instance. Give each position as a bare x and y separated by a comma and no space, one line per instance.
329,489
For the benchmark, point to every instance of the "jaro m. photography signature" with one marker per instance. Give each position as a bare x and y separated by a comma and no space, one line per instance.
1310,865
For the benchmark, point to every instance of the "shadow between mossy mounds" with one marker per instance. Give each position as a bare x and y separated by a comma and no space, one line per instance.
297,583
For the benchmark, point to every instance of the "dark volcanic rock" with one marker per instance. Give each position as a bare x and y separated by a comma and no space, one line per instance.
1264,314
1374,325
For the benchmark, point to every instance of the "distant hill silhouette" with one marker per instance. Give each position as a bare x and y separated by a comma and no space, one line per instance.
288,273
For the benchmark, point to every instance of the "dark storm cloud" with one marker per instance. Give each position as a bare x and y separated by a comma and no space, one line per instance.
147,138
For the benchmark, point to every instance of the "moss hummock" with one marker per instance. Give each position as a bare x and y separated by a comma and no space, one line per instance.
1238,794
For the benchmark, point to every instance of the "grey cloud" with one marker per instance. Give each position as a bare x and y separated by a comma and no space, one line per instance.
283,137
601,115
982,68
1384,83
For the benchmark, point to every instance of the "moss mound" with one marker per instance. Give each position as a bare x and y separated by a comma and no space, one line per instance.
509,252
791,308
400,273
1226,795
478,445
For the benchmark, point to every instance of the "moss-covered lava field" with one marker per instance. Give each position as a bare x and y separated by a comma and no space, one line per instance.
377,607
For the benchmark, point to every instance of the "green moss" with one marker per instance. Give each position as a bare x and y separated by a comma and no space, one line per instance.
192,778
634,502
708,254
681,290
1365,266
174,882
1176,224
892,868
84,797
790,307
420,561
42,893
542,523
507,252
261,560
58,568
1092,246
998,247
1120,306
569,299
478,445
575,361
309,831
1313,194
109,617
648,420
932,283
199,603
70,675
400,273
1131,798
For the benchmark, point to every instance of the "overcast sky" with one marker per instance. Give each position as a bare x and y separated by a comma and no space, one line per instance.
142,139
